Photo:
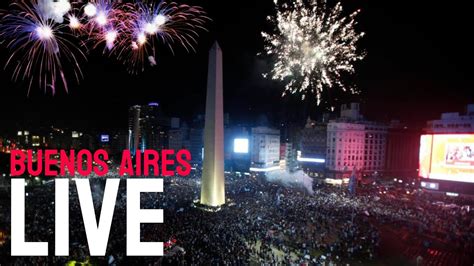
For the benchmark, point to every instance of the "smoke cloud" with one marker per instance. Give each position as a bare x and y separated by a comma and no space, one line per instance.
297,179
54,9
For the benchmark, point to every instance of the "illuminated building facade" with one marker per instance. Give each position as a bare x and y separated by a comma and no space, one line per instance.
288,157
345,146
353,142
264,149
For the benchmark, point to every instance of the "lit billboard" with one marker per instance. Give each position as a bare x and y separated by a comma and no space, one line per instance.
241,145
104,138
447,157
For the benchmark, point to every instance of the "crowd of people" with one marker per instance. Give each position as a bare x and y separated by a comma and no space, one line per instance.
446,220
262,223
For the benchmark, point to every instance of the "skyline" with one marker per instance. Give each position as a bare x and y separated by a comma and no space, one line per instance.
298,132
409,69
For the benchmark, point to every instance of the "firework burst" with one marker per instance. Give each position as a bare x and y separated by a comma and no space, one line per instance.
40,46
131,31
313,46
106,23
46,36
148,24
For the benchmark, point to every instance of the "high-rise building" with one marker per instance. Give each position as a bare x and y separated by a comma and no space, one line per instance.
148,128
375,148
212,184
179,137
118,143
264,149
313,140
345,146
196,146
288,157
313,145
134,128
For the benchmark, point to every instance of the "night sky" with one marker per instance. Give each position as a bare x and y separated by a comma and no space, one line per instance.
418,65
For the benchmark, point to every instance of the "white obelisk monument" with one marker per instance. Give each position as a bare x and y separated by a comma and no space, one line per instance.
212,185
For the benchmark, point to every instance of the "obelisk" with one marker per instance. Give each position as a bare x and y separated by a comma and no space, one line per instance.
212,184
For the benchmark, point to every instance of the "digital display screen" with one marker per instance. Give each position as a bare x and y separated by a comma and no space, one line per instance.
447,157
241,145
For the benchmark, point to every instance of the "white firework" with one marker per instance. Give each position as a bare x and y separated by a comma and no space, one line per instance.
313,46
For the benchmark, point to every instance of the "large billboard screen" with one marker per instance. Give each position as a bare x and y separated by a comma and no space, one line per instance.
241,145
447,157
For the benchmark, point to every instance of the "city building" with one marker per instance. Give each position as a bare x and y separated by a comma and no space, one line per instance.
76,139
58,138
264,149
118,143
183,136
345,146
4,171
355,143
179,137
313,145
374,148
453,122
402,151
288,156
148,128
30,140
196,147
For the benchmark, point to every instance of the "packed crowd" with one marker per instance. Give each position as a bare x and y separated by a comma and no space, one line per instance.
441,218
263,223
